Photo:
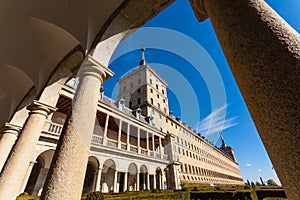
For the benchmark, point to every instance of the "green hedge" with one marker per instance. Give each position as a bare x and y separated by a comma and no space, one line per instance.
193,192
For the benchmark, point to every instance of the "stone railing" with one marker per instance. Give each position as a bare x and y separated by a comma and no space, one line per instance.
97,140
56,129
53,128
134,149
123,146
111,143
144,151
151,153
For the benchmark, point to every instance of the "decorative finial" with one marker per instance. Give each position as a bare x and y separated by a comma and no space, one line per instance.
143,61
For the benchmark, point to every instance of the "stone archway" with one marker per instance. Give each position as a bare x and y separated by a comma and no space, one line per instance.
132,177
108,176
158,178
39,173
143,178
91,175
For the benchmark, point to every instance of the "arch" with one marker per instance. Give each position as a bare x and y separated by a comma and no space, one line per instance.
132,177
11,92
143,169
132,168
91,174
108,176
143,178
158,174
39,172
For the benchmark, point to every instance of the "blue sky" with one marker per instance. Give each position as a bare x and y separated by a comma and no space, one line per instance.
201,88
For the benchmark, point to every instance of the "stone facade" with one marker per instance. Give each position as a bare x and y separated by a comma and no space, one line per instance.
131,149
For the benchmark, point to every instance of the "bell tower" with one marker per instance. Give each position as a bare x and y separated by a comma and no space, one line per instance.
143,88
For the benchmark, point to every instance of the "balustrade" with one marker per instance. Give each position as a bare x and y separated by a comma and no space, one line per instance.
53,128
134,149
112,143
144,151
56,129
97,140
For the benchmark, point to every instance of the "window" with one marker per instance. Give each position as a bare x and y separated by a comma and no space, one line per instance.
151,90
150,81
156,86
139,101
178,149
151,101
124,88
165,110
158,96
153,112
139,90
159,116
158,105
162,91
164,101
139,81
130,104
131,85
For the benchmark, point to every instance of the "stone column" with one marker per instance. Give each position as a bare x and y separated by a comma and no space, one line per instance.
9,136
159,181
98,180
163,176
128,137
154,181
67,171
119,134
147,143
105,130
160,149
26,177
138,140
116,189
148,181
153,144
263,52
125,181
14,171
137,181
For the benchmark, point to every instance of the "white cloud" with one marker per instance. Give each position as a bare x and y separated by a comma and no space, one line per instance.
216,122
259,170
248,164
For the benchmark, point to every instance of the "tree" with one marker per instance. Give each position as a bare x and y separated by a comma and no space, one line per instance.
271,182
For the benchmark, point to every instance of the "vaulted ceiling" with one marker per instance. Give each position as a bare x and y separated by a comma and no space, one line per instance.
36,37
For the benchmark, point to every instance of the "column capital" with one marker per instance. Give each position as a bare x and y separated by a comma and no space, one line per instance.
11,129
90,66
37,107
199,9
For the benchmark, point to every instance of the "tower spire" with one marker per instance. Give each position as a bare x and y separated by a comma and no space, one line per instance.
143,61
223,141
